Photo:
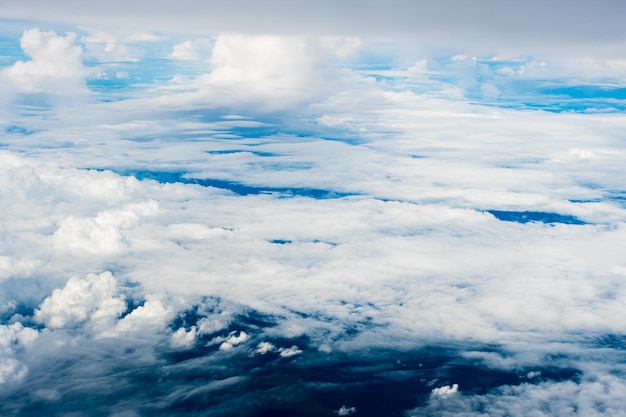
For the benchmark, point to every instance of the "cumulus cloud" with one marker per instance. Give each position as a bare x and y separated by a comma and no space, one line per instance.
11,370
94,297
274,71
289,352
55,65
265,347
445,391
346,411
183,338
149,318
233,340
13,338
102,234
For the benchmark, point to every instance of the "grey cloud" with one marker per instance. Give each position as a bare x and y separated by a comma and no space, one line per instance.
481,24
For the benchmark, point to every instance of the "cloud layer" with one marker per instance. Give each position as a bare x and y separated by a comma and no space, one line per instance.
264,224
531,24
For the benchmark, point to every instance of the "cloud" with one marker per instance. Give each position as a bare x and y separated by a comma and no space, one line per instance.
109,47
265,347
484,24
11,370
182,338
289,352
55,66
13,338
592,397
149,318
346,411
445,391
102,234
92,298
233,340
184,50
274,71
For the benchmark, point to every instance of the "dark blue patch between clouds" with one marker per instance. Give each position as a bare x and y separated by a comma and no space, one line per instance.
534,216
14,129
235,187
280,242
235,151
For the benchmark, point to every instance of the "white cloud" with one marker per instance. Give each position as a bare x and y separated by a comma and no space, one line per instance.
15,335
346,411
233,340
109,47
265,347
274,72
290,352
184,50
11,370
182,338
55,66
102,234
91,298
445,391
149,318
13,339
214,323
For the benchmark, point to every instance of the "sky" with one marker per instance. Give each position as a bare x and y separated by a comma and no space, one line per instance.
329,209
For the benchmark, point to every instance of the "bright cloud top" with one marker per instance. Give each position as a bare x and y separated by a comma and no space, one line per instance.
55,66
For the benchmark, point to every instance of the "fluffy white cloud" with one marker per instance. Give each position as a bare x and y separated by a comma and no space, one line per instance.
346,411
11,370
102,234
55,66
265,347
13,338
150,318
289,352
182,338
445,391
233,340
275,72
94,297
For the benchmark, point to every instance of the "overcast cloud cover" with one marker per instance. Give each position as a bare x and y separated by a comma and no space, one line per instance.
339,208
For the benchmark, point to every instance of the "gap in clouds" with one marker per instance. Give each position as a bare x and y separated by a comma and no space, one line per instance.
534,216
237,188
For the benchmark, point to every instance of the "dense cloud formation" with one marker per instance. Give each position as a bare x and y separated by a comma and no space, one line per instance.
249,224
55,65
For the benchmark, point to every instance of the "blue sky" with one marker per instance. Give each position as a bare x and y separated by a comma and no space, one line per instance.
420,201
